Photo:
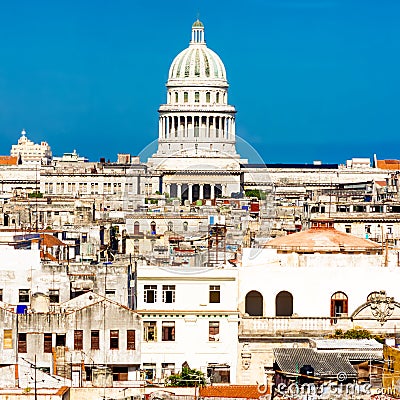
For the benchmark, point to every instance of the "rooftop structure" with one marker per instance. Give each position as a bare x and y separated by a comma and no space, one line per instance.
30,152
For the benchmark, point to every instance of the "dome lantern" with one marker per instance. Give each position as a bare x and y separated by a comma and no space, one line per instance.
198,32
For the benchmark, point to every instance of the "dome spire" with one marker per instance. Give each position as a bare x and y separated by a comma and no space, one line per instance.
197,32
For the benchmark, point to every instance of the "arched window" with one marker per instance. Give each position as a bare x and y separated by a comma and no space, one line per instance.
185,226
170,226
185,97
176,97
208,97
153,228
339,304
217,97
254,304
284,304
136,227
196,97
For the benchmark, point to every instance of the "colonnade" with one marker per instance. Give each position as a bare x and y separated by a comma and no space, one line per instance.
203,190
186,126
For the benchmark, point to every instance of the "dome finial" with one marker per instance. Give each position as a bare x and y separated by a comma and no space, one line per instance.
198,32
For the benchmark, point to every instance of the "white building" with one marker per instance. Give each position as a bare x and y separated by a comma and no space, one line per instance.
30,152
189,314
196,156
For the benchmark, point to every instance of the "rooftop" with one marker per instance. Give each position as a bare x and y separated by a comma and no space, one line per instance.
323,238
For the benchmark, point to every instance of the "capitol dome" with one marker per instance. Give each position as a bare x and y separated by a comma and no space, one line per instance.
197,62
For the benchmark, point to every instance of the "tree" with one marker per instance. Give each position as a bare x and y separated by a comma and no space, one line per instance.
187,378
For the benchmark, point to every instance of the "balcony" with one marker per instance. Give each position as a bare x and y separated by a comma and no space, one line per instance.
292,326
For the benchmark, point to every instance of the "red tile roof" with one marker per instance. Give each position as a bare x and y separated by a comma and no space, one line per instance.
393,165
233,391
8,160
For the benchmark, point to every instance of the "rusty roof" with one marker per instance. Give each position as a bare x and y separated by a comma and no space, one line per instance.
50,240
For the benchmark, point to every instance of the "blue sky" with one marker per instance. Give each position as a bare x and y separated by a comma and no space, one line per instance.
310,79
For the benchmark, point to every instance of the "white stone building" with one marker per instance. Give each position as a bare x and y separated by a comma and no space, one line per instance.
196,156
30,152
189,314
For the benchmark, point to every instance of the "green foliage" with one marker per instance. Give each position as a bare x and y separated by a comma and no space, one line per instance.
187,378
37,195
352,334
255,193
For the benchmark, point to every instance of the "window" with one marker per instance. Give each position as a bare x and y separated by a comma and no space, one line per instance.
114,340
78,340
60,339
217,97
185,97
150,331
168,331
150,293
208,97
176,97
196,97
23,296
170,226
130,339
339,305
185,226
22,346
95,340
215,294
7,342
348,228
284,304
1,294
168,293
54,295
47,343
218,373
213,331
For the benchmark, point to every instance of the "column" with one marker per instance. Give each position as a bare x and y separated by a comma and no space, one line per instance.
159,128
168,189
201,194
212,192
179,190
190,192
185,129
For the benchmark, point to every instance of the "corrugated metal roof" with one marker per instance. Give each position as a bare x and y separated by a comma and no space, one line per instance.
326,364
348,344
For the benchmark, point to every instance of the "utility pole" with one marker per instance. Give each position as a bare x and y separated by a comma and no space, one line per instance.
35,379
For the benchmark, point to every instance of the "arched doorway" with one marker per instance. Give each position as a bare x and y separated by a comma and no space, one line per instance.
339,304
284,304
254,304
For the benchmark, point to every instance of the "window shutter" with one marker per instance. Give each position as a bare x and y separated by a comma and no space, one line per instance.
345,306
332,308
7,344
78,340
130,336
48,342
